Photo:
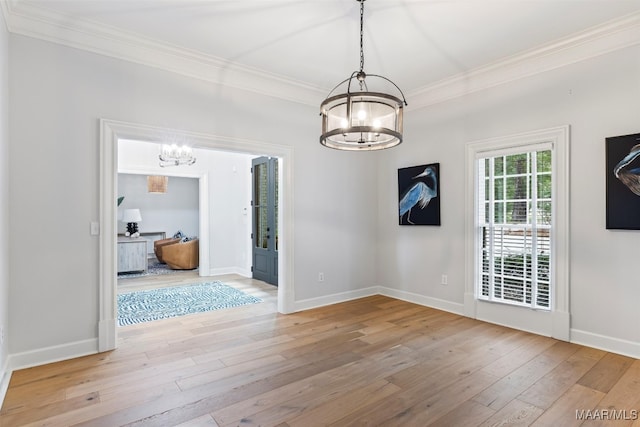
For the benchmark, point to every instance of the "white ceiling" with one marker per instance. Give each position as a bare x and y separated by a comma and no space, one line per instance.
310,46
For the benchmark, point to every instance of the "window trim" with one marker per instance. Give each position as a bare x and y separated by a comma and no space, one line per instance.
556,321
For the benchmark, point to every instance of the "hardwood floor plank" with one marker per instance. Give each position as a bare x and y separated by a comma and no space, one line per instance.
37,414
622,404
509,387
371,361
431,408
606,372
553,385
326,390
515,413
419,383
563,411
179,407
203,421
467,414
218,373
304,410
530,347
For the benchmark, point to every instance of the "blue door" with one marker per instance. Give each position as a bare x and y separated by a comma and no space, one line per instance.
265,219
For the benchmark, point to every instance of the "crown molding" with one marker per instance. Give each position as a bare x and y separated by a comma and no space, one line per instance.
596,41
98,38
48,25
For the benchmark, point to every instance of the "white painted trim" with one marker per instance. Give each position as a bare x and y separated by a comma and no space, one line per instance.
411,297
437,303
52,354
107,281
614,345
555,323
308,304
244,272
110,132
230,270
5,379
593,42
93,36
37,22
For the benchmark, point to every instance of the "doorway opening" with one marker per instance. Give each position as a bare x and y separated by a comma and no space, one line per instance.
113,131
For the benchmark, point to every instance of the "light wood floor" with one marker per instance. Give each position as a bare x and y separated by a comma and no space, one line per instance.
373,361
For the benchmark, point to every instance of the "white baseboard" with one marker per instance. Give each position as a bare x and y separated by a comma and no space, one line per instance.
52,354
229,270
5,378
43,356
440,304
310,303
614,345
380,290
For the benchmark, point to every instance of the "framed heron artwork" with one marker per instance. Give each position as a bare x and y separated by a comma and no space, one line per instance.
419,195
623,182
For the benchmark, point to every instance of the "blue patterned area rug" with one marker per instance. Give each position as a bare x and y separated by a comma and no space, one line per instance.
163,303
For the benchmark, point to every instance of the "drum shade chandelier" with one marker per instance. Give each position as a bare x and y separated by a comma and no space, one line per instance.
362,119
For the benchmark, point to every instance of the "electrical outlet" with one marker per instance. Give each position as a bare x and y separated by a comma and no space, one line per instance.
444,280
320,277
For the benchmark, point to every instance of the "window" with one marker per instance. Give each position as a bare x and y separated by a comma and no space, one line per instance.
515,226
517,231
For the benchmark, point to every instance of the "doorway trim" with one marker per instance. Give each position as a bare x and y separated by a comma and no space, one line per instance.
110,132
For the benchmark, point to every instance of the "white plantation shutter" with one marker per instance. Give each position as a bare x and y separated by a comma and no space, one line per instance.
514,225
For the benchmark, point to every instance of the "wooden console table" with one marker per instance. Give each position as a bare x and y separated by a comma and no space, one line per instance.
132,254
150,236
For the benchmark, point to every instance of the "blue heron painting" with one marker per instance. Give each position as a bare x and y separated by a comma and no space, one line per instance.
623,182
418,188
627,172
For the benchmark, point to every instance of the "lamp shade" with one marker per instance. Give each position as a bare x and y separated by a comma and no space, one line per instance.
131,215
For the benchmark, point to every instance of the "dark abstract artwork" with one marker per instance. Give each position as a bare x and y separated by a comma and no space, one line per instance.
623,182
419,195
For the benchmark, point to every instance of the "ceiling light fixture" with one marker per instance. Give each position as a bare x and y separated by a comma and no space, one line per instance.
364,119
174,155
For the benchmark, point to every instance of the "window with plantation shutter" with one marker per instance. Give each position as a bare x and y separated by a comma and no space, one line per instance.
517,231
515,227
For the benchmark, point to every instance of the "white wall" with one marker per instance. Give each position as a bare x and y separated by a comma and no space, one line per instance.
4,200
597,98
229,181
177,209
58,94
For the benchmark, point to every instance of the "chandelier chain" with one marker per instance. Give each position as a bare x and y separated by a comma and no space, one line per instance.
361,35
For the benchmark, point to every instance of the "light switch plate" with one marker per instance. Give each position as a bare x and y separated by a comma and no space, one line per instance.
95,228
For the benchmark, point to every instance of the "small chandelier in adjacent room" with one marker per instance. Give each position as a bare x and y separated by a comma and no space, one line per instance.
174,155
362,119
